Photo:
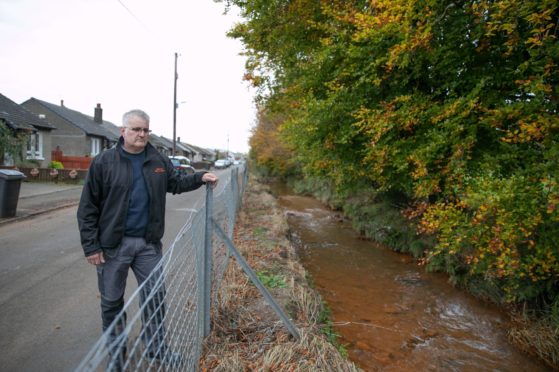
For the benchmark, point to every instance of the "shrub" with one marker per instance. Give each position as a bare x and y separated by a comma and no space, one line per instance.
29,163
56,165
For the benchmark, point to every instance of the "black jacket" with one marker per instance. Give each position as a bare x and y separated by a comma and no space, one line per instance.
104,200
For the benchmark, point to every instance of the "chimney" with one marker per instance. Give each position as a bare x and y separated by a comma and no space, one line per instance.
178,139
62,102
98,115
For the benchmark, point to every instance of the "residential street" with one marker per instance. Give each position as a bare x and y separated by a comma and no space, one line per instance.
49,305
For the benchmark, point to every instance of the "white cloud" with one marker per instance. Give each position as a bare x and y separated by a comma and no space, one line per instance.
121,54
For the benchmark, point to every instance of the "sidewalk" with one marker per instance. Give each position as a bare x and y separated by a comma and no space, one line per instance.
37,198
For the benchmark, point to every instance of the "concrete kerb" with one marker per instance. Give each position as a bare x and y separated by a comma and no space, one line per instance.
36,199
7,220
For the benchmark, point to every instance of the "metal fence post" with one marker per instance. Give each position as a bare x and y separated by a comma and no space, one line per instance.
254,278
236,191
205,269
245,176
208,257
232,208
189,287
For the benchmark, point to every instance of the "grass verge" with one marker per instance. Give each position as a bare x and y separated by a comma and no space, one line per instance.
246,333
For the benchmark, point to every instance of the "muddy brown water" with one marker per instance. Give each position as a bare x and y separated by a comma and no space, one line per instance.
389,312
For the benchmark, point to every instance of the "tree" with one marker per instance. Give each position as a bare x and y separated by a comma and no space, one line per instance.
11,143
452,105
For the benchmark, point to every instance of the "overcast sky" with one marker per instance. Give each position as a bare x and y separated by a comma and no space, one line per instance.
120,53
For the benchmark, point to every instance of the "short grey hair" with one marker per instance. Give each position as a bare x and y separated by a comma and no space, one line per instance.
138,113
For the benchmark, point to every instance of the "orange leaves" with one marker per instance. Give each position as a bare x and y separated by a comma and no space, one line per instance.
398,20
526,132
449,111
416,38
500,229
383,14
442,216
517,123
542,23
416,210
534,128
505,21
457,109
420,168
268,148
256,81
373,123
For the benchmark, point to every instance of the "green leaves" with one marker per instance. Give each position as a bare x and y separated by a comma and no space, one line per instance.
11,142
451,103
271,280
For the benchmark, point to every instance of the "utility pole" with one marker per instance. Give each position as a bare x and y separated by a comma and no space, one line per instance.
175,109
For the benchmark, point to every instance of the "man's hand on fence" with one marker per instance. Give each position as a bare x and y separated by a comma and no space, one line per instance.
96,259
211,179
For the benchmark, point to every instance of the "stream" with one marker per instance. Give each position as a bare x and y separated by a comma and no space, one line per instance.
390,313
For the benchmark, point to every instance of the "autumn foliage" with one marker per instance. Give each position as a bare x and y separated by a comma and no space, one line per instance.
452,104
267,149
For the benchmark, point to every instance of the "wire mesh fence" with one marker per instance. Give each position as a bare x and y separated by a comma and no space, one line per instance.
165,319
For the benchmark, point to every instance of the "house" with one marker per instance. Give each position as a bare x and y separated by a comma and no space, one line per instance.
194,153
168,145
200,154
208,154
35,129
181,150
115,130
160,144
77,134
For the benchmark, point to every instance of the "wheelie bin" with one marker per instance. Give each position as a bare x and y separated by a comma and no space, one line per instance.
10,183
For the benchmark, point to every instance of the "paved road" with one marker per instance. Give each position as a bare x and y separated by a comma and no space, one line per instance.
49,305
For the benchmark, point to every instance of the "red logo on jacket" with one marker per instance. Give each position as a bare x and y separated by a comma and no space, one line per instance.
159,170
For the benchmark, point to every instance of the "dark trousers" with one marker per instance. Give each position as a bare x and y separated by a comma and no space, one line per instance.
142,258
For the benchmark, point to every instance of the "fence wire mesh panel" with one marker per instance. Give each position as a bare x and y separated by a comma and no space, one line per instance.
224,215
159,328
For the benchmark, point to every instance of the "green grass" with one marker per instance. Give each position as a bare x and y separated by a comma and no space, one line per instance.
259,231
271,280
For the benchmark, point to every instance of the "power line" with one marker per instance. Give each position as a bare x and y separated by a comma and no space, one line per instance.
159,39
134,16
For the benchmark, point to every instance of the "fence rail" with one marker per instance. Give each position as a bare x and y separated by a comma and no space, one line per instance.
47,175
164,322
71,162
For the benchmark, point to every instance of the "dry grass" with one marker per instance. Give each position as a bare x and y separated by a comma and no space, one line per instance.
537,336
246,334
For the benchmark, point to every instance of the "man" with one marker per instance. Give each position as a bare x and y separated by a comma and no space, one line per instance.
121,218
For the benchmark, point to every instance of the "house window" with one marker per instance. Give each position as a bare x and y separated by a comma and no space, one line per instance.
95,146
35,146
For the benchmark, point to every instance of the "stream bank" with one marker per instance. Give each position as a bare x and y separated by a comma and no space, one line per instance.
391,314
246,335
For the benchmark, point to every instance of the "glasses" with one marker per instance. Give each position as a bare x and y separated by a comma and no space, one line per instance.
139,129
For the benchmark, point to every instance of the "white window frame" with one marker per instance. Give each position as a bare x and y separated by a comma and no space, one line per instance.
34,148
95,146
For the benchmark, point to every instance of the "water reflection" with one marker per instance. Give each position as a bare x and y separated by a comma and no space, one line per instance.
391,314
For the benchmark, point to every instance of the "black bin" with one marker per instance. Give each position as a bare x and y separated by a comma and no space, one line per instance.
10,183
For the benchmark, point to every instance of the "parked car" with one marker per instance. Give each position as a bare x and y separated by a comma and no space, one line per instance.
182,164
221,163
183,159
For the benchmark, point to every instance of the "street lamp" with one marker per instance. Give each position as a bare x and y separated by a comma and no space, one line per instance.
175,108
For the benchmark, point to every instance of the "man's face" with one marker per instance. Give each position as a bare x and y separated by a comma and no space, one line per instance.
135,134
